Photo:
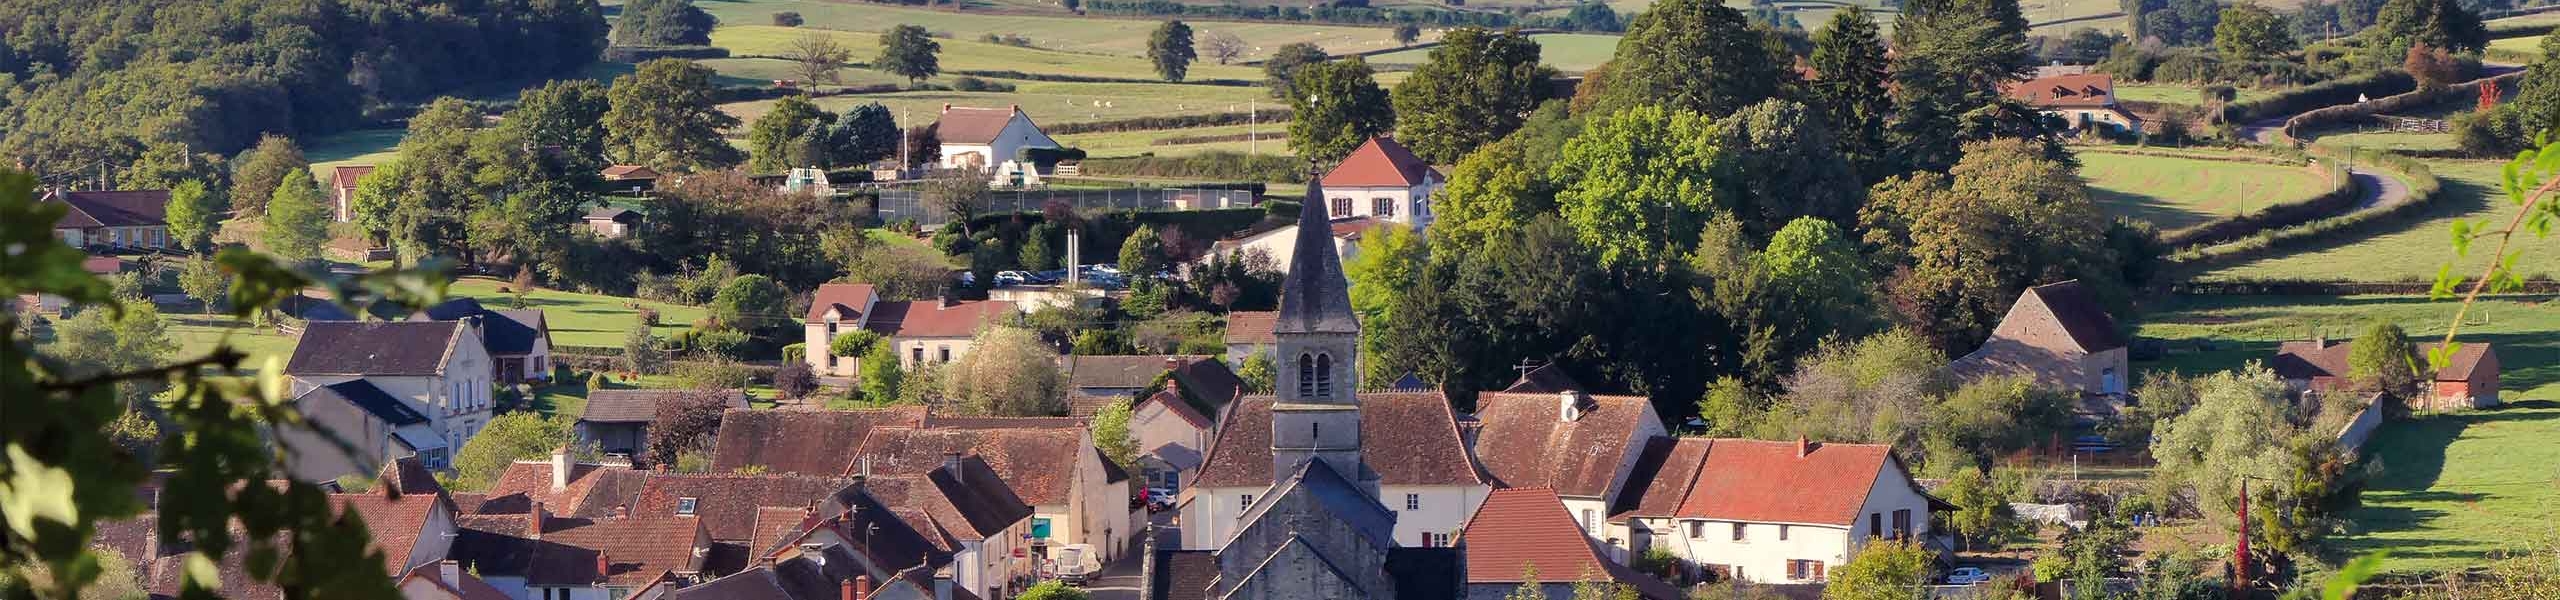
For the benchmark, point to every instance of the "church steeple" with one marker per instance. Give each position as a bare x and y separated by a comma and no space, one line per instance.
1317,413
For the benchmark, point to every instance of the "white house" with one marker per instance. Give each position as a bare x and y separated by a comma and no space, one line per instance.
1409,437
392,389
920,330
1583,446
1382,180
1774,512
989,139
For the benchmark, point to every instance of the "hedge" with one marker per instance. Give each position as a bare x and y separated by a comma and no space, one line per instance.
1215,164
1276,116
2322,287
1091,79
2333,115
2328,93
633,54
2423,189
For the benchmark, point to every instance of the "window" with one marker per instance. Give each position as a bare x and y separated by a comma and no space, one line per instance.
2108,382
1738,530
1315,433
1341,207
1805,570
1384,207
946,353
1875,524
1697,529
1306,376
1324,376
1244,502
1902,524
1413,502
1440,540
918,353
1590,522
685,505
1782,533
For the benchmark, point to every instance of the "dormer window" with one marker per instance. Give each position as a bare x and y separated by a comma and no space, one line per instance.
685,505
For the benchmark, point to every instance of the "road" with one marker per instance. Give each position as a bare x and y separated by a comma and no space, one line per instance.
1119,580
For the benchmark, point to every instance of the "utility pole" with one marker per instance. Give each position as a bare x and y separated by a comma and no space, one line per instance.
1253,127
903,160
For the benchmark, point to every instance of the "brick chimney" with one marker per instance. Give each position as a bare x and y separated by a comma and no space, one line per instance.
862,587
951,462
604,567
535,521
1804,447
844,590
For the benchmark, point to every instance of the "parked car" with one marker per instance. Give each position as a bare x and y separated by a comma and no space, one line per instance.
1967,576
1012,278
1159,499
1077,564
1049,277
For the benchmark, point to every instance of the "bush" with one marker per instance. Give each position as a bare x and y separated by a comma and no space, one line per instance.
795,380
712,375
2189,67
973,84
787,19
1219,164
795,352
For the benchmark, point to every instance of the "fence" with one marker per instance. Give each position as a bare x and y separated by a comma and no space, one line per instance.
2351,438
908,203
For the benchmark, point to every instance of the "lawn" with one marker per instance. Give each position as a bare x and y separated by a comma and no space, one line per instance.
2527,45
1096,35
2383,139
2177,193
1048,102
358,147
1567,52
1275,140
580,319
969,54
197,334
2172,93
2415,248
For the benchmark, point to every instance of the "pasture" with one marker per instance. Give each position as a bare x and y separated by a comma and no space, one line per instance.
2452,490
2173,93
969,54
1274,140
2411,249
2528,44
1093,35
358,147
2176,193
1567,52
580,319
1047,102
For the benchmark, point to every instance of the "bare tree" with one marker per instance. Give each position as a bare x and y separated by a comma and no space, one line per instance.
1224,46
821,58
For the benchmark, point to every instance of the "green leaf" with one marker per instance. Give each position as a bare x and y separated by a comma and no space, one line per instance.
2443,288
35,491
2354,574
2461,238
271,386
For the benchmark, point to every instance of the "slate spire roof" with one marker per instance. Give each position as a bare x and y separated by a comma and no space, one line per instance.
1315,297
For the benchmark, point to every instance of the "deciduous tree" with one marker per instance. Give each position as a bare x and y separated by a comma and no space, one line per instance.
297,219
1170,48
684,423
909,51
1476,87
1223,46
1694,55
1336,106
773,139
1638,179
1007,372
505,439
2248,31
193,214
1882,570
1405,34
866,134
663,23
1281,70
665,115
1968,242
2384,360
204,281
257,170
820,58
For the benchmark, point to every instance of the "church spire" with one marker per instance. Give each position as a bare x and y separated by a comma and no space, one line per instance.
1315,297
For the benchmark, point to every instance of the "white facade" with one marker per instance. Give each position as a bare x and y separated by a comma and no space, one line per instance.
1431,515
1097,510
1765,550
996,154
1407,205
455,400
818,339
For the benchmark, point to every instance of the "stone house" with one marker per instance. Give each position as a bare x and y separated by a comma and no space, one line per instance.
1584,447
518,340
393,389
2060,336
343,181
1076,495
2082,101
610,222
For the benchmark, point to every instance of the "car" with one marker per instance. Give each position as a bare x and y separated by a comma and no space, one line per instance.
1103,268
1967,576
1076,564
1011,278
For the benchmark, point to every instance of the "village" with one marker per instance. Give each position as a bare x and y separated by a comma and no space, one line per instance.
1667,300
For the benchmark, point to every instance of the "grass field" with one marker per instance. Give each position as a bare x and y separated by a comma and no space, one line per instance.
1275,140
580,319
2177,193
1123,37
1567,52
2528,45
359,147
196,335
2171,93
1049,102
2380,139
2453,488
2412,251
967,54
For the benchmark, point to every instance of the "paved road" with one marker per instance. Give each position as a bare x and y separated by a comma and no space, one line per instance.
1119,580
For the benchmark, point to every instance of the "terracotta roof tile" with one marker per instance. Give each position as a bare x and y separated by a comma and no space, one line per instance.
1246,327
972,504
1409,438
1546,379
2083,90
463,586
1517,530
1173,403
638,550
394,522
807,442
846,297
1039,464
933,319
344,177
1121,371
526,482
966,125
1379,162
941,422
1525,442
2321,361
2080,315
629,172
727,504
493,545
1766,482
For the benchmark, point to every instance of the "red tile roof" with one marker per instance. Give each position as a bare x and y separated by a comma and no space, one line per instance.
1669,469
1408,437
807,442
525,482
1766,482
1519,530
2320,360
344,177
932,421
937,318
395,523
1525,442
2084,90
727,504
1246,327
965,125
1039,464
463,586
629,172
1379,162
638,550
1173,403
846,297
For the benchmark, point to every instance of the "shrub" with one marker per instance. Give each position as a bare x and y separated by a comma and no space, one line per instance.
787,19
712,375
794,380
973,84
1221,164
2189,67
795,352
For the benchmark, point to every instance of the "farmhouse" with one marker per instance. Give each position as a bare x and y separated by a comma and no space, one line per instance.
2082,101
393,389
1775,512
991,140
519,340
919,330
611,222
342,190
115,221
1581,446
2468,380
2057,334
1384,181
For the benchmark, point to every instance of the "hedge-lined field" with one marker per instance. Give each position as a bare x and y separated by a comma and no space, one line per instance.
1047,102
2177,193
1567,52
581,319
969,54
1097,35
2412,250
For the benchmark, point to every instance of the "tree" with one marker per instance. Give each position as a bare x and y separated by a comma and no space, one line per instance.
794,380
963,196
1780,165
1952,60
1405,34
566,118
1981,511
1849,61
1052,590
1281,70
507,438
2432,23
788,19
908,51
902,272
774,137
820,58
1256,373
666,115
2236,430
663,23
2433,67
2003,219
1224,46
751,303
2248,31
1694,55
1111,433
203,280
1170,48
100,341
297,219
1882,570
2384,360
1142,253
640,353
866,134
1007,372
1389,262
1339,106
193,215
684,423
1636,182
1476,87
880,378
256,172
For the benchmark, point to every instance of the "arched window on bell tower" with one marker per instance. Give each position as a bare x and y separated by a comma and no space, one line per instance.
1324,376
1306,376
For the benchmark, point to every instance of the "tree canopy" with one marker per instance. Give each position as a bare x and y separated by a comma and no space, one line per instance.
1170,48
1694,55
909,51
665,115
1336,106
1475,87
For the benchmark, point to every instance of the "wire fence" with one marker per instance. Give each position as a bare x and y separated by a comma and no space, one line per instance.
899,204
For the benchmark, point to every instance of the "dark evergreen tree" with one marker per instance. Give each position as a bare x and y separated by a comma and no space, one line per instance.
1476,87
1849,63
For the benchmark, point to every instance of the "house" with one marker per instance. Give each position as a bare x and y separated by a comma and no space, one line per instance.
731,508
610,222
1248,333
1410,439
446,580
2082,101
635,180
1581,446
990,140
1778,512
839,555
1279,245
1382,180
612,558
391,389
617,421
1094,381
1076,495
921,330
409,519
1525,534
564,485
810,180
2469,379
1548,378
120,220
343,180
806,442
1173,438
2060,336
966,509
518,340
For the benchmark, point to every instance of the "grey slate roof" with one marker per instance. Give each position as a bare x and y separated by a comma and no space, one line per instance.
641,406
1342,499
363,394
1315,297
372,348
505,331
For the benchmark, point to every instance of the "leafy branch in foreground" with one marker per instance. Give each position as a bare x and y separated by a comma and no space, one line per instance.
2528,182
221,490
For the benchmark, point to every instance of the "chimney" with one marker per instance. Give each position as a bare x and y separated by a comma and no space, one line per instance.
560,468
865,465
942,583
622,510
1569,406
451,571
1804,447
536,520
862,587
951,462
844,590
604,567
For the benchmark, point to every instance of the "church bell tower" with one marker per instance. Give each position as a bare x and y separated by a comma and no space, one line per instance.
1316,415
